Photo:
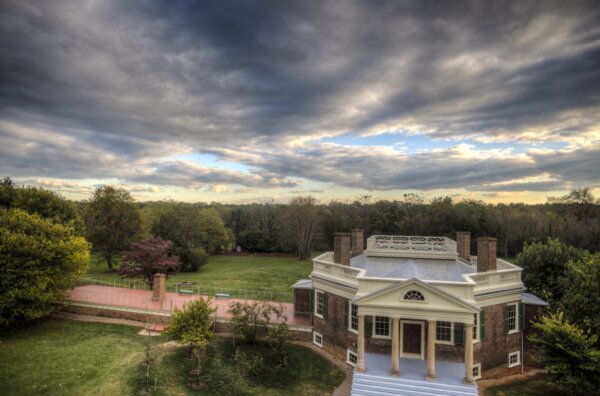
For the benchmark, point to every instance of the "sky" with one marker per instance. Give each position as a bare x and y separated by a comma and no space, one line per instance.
263,101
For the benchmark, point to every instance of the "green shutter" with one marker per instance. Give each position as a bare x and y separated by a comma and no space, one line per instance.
311,301
506,319
459,335
368,327
482,325
325,306
521,316
346,314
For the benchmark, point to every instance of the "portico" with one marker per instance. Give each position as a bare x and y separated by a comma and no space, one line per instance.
408,313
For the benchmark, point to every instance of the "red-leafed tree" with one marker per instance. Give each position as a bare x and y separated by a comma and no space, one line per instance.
149,257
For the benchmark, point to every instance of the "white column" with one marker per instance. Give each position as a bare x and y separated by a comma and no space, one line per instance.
360,365
431,349
395,346
469,354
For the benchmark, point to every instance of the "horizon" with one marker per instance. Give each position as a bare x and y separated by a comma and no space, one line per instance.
242,102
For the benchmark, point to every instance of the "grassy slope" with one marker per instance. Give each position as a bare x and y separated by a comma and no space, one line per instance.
536,387
60,357
275,274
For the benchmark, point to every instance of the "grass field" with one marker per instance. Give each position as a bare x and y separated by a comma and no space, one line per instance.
272,274
535,387
61,357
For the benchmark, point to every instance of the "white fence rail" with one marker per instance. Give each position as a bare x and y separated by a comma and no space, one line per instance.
493,279
421,244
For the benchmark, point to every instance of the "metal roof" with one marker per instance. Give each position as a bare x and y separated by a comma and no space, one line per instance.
303,284
408,268
532,299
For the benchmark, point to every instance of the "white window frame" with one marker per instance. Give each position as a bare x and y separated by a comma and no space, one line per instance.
516,329
518,362
478,367
350,317
451,342
374,335
315,341
476,328
317,314
348,353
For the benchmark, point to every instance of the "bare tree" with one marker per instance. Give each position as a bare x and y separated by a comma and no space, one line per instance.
300,222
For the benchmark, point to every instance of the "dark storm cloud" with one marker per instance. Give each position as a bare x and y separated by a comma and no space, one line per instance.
113,89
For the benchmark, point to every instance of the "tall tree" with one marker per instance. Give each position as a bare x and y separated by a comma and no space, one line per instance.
300,223
112,222
545,265
45,203
195,232
569,353
149,257
40,260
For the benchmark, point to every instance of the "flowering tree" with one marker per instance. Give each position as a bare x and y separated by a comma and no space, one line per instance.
149,257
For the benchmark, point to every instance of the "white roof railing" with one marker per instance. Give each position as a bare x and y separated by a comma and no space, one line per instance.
411,246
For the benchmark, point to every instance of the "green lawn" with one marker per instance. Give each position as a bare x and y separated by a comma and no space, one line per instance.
61,357
272,274
535,387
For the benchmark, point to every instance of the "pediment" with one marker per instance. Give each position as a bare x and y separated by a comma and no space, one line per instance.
433,298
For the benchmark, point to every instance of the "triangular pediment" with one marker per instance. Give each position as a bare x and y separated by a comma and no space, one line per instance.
433,297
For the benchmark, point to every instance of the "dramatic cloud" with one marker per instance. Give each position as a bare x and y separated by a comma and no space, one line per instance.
119,91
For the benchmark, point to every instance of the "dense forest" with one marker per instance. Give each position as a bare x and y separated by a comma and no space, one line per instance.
574,219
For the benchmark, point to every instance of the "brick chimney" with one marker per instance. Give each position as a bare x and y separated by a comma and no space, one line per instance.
158,287
358,241
463,245
341,248
486,254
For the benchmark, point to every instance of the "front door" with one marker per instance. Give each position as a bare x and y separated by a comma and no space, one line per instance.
412,339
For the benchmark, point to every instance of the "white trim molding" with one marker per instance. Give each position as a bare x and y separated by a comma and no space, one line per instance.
317,314
350,353
517,360
318,339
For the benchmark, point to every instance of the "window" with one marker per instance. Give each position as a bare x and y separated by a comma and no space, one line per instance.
477,371
514,359
351,358
476,327
319,303
443,332
511,317
318,339
414,295
353,317
382,326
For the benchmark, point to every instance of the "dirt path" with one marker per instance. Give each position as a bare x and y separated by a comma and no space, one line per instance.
98,319
484,384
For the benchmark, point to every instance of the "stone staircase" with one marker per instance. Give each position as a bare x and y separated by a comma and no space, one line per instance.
365,384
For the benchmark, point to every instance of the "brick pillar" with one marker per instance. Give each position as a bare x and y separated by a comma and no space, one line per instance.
486,254
463,245
341,248
358,241
158,287
360,364
395,346
430,350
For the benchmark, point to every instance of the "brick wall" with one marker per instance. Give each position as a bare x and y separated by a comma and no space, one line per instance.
492,352
302,302
336,337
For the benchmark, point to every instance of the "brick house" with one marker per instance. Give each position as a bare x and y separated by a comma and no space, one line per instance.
417,306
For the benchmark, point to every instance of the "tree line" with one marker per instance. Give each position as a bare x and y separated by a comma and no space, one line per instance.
573,219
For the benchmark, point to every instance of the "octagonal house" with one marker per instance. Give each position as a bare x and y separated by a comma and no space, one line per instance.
418,309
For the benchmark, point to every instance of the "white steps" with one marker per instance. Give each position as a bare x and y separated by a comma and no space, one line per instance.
365,384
